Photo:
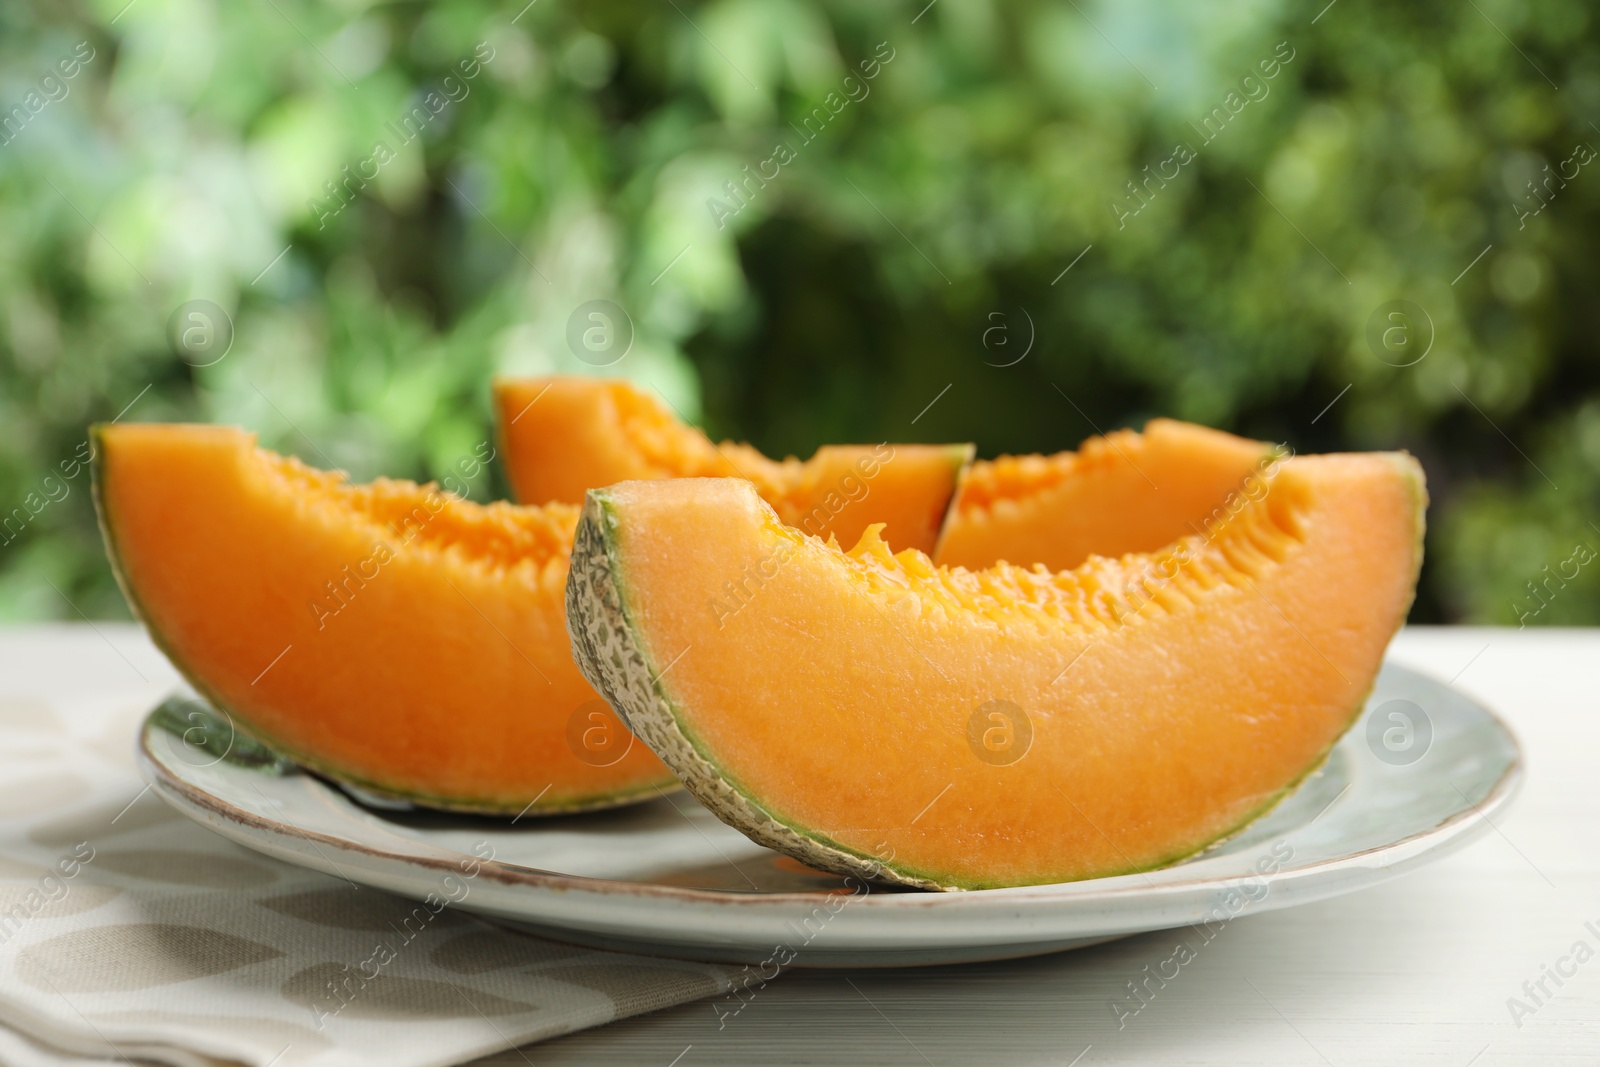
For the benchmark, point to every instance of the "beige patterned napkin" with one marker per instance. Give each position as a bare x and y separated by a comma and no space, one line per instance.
129,932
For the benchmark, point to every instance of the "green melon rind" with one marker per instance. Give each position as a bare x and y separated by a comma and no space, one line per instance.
611,654
383,790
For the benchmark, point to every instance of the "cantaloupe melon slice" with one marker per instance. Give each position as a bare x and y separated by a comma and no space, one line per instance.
387,635
872,714
1125,492
562,436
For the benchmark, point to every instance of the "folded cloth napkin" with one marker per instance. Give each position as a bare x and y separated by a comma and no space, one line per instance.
128,932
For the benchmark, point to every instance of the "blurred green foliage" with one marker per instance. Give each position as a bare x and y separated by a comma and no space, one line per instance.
915,238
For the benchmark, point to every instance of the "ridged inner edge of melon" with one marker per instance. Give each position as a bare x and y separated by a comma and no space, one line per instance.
1102,593
1021,480
497,536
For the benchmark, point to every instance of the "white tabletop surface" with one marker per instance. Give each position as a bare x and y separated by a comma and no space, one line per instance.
1419,971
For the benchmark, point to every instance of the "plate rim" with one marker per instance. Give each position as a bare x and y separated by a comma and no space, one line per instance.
1463,822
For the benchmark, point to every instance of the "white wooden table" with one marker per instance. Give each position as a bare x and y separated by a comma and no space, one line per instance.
1419,971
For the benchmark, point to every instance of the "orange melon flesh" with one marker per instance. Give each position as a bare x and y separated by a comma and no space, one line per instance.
563,436
1125,492
839,713
387,635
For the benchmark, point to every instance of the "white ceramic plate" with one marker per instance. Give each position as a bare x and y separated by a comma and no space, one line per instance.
1420,775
